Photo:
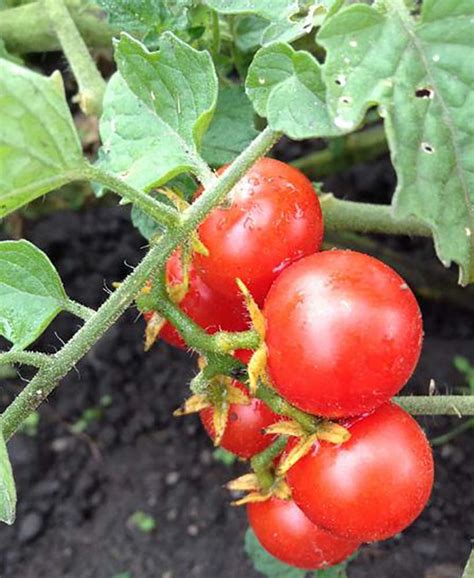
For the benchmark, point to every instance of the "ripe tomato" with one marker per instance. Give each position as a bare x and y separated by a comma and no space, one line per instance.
209,309
273,218
344,333
286,533
372,486
244,434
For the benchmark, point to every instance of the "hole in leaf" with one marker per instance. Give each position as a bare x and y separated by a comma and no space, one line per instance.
424,93
427,148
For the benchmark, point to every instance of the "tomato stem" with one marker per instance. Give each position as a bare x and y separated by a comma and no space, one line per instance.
342,215
33,358
48,376
280,406
460,405
262,463
91,84
158,211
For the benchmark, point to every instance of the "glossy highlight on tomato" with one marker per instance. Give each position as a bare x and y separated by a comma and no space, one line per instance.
286,533
372,486
272,218
244,434
344,333
208,308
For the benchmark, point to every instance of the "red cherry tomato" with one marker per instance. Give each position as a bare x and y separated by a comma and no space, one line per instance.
209,309
286,533
372,486
244,434
273,218
344,333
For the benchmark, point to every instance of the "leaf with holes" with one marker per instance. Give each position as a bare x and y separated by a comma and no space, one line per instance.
156,111
287,88
232,128
31,292
417,71
39,147
7,486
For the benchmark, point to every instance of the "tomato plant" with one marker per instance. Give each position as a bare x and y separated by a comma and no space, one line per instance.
371,487
272,218
350,325
328,336
283,530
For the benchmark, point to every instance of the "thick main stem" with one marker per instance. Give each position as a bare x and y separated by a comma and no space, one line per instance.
91,84
47,377
342,215
460,405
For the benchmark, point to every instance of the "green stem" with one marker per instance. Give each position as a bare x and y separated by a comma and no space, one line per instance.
33,358
26,28
280,406
355,148
216,35
91,84
160,212
367,218
79,310
262,463
194,335
459,405
47,378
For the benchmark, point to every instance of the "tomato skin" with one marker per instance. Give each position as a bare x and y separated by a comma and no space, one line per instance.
209,309
344,333
372,486
274,218
244,434
286,533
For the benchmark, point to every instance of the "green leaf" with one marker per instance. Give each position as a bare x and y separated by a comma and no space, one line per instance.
148,18
232,128
39,146
177,83
287,88
420,74
272,568
156,111
7,486
31,292
269,9
7,55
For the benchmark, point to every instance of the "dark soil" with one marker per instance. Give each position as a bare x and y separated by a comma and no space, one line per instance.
77,491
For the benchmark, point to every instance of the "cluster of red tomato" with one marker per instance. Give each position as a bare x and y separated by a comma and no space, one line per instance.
343,335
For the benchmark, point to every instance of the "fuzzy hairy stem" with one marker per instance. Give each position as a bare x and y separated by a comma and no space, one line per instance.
459,405
342,215
47,378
